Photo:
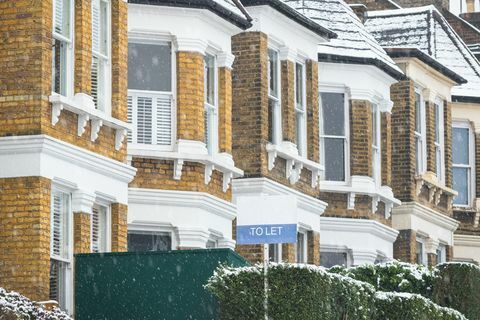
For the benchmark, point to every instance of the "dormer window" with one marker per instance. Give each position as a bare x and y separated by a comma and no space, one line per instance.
274,113
211,103
300,108
62,67
100,78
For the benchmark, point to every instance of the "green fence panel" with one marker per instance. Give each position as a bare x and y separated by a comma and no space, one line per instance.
148,285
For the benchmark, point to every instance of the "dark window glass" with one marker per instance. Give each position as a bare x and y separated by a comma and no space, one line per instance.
330,259
139,242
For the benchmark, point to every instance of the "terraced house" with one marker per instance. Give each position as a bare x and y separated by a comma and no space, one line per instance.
180,106
275,120
63,113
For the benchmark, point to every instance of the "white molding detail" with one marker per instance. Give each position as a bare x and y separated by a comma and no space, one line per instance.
466,248
296,171
82,201
363,185
191,237
227,243
435,188
191,44
82,105
431,245
44,156
385,105
192,151
119,137
286,53
225,60
426,221
227,178
289,152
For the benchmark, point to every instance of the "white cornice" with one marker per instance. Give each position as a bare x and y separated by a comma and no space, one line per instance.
427,214
190,44
175,198
372,227
225,59
265,186
466,240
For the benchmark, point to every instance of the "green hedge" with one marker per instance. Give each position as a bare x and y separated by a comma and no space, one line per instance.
457,286
402,306
295,292
392,276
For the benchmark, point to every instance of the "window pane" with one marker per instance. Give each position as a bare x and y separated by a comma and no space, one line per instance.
210,79
418,113
62,17
274,252
418,155
461,185
273,72
299,132
138,242
300,247
460,145
334,159
437,123
333,113
271,126
299,85
330,259
419,253
59,56
150,67
439,161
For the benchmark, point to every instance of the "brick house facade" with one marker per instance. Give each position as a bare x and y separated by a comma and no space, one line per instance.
63,180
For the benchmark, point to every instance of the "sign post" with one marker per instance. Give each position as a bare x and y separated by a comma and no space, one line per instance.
266,220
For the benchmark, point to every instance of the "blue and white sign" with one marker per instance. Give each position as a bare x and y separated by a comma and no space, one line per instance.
266,219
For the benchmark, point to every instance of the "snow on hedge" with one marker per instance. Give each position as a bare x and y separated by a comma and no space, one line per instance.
14,304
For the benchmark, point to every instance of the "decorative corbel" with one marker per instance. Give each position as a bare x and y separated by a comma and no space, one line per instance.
297,170
208,173
96,125
177,169
388,209
272,155
315,178
351,201
82,123
438,196
375,201
289,168
56,110
432,190
419,186
120,135
227,178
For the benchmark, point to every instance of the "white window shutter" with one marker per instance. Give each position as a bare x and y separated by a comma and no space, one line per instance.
164,120
96,25
206,125
54,280
95,229
57,226
58,16
129,116
144,120
95,79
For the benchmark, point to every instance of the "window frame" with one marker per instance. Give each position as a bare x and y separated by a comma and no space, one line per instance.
211,111
339,250
376,148
278,252
440,144
108,229
301,110
346,137
422,242
277,134
106,61
420,159
303,247
69,51
465,124
153,233
68,285
140,38
442,250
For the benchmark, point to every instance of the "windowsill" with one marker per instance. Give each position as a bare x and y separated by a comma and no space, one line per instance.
190,151
363,185
435,188
82,105
295,162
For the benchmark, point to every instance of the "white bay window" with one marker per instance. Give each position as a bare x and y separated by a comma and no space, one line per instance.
300,109
150,92
100,78
439,146
62,66
463,163
142,241
334,135
211,103
274,111
376,145
61,249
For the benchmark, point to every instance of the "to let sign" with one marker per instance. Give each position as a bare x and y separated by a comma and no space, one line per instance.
266,219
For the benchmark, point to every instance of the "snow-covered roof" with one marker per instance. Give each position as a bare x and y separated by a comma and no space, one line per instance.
426,29
353,40
230,10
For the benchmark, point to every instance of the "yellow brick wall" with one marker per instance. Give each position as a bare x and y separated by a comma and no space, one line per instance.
225,110
25,236
119,214
288,100
81,232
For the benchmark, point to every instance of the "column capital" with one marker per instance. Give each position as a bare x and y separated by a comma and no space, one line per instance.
191,45
225,59
82,201
191,237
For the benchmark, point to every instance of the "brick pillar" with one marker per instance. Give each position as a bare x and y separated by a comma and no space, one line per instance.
404,248
250,102
447,115
190,96
430,124
432,259
289,252
119,227
25,236
386,148
225,109
360,138
119,60
313,250
449,253
312,111
81,232
288,100
83,46
403,143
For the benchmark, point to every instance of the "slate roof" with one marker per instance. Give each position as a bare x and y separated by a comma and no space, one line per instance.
354,44
230,10
426,29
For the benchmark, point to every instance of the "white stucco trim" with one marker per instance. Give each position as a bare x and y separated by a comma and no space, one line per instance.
425,221
195,217
309,209
466,247
365,239
81,169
